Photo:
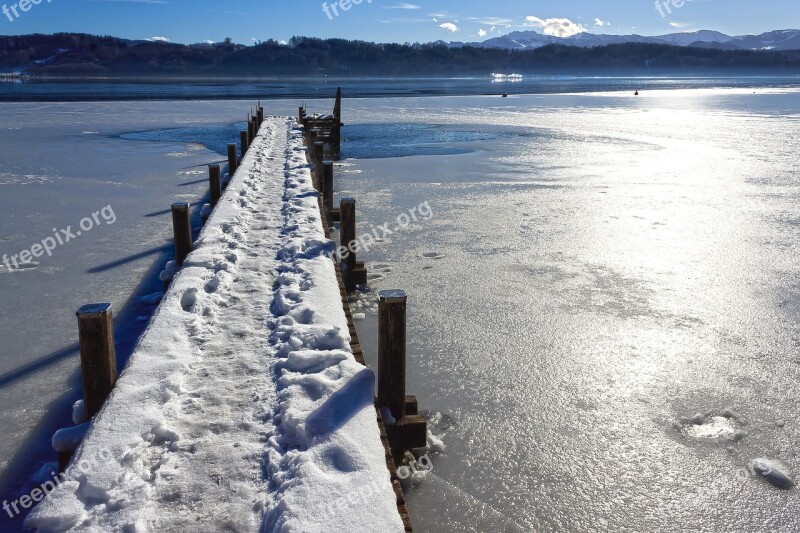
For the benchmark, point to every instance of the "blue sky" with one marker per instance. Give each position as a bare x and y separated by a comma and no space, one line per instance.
189,21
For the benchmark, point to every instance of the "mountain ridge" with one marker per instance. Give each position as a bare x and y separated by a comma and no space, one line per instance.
776,40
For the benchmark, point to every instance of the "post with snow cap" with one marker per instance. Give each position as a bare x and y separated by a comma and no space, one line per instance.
98,357
182,228
214,184
405,429
392,351
232,163
353,272
244,141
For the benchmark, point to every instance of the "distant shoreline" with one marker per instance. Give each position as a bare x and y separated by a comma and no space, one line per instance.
21,88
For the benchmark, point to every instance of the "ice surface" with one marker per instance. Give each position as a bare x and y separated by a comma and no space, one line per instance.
621,265
615,267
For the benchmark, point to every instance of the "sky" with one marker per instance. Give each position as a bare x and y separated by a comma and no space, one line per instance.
248,21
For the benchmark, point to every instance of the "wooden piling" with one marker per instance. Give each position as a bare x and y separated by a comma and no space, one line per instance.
327,186
347,231
337,106
214,184
410,430
336,128
98,356
232,162
392,351
182,229
311,139
260,115
244,140
319,157
251,132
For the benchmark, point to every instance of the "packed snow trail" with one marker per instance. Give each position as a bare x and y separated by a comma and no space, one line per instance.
242,408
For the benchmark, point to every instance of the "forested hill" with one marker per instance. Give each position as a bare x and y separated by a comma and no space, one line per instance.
88,55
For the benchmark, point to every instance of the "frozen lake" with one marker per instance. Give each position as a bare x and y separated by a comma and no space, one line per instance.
603,307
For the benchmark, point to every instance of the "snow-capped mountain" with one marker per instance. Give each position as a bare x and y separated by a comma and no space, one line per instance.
774,40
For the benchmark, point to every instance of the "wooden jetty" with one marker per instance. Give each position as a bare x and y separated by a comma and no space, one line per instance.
401,427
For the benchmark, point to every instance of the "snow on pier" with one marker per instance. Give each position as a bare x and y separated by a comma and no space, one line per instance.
243,407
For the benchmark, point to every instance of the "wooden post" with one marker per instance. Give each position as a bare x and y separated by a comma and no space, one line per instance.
214,184
319,156
337,106
392,351
336,127
327,185
300,114
244,141
347,231
232,163
312,139
260,115
182,228
98,357
251,132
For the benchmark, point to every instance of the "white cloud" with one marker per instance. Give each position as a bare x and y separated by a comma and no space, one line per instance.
557,27
492,21
209,41
600,23
403,5
481,33
159,39
680,24
449,26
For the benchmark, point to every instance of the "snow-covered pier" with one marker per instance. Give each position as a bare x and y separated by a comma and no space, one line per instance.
244,406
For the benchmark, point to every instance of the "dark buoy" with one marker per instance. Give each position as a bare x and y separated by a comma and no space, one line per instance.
636,93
